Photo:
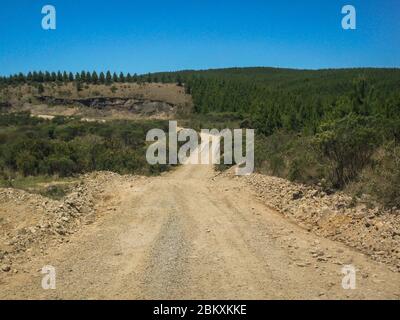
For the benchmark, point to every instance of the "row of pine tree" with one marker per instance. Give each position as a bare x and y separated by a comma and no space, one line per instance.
85,77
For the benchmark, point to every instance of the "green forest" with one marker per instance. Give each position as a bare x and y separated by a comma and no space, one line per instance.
339,128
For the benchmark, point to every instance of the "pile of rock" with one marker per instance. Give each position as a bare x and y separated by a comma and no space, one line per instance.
368,228
58,219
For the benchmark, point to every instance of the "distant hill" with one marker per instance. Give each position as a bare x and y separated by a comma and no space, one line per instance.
293,99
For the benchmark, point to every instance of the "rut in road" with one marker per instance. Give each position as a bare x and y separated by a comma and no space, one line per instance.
191,235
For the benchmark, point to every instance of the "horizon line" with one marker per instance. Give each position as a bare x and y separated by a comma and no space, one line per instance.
210,69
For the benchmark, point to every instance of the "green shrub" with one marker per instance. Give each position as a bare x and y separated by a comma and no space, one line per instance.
347,144
26,163
383,180
61,165
294,170
65,146
54,192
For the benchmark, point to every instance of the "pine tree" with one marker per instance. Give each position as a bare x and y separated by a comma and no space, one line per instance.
102,78
95,77
40,76
179,80
88,77
21,78
108,78
83,76
65,76
128,77
115,77
59,76
47,76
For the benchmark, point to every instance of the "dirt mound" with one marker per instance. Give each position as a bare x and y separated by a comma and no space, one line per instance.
371,230
30,221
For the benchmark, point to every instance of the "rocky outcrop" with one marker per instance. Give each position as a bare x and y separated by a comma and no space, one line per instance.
135,105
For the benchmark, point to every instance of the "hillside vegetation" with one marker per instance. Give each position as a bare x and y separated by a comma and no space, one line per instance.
64,147
337,128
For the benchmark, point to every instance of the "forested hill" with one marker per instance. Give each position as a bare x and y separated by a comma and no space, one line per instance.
292,99
339,128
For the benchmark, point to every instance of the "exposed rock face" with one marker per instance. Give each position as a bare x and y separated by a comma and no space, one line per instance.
372,230
136,105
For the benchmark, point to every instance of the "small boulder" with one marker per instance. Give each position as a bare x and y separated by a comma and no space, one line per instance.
6,268
297,195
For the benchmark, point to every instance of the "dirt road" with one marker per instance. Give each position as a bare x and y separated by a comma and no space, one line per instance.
189,235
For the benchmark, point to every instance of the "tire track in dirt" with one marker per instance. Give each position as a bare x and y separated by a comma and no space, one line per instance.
186,235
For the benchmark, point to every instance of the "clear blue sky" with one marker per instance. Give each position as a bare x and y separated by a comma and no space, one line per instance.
161,35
